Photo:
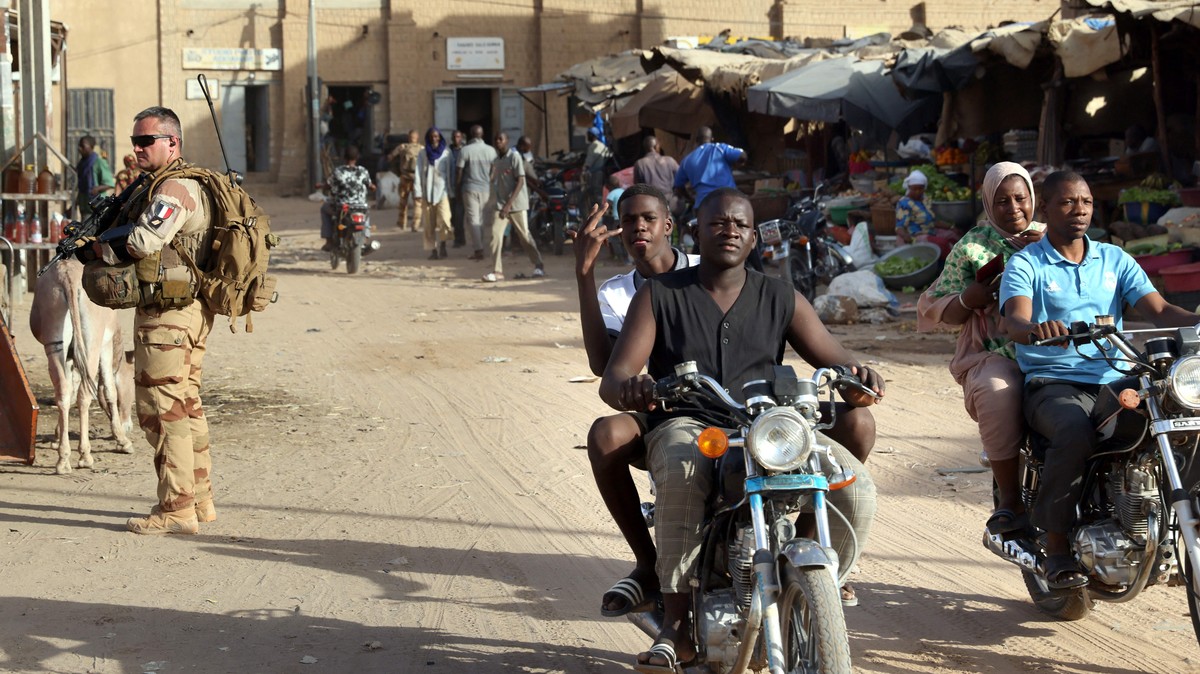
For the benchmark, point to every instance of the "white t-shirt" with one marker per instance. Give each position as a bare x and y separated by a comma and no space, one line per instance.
616,293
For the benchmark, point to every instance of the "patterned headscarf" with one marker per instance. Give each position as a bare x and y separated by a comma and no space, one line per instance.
434,153
991,182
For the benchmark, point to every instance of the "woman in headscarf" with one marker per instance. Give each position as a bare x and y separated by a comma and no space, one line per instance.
984,363
127,175
431,184
914,220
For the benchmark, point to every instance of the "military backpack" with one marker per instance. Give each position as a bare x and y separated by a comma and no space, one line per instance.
234,281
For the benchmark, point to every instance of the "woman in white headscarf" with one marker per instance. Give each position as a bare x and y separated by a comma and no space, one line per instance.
916,222
984,363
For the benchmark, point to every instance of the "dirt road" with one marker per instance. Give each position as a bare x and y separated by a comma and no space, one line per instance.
401,488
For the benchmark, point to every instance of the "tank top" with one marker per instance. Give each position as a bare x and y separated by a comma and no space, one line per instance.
733,347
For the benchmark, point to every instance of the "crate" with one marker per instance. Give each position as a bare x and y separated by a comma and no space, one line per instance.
769,206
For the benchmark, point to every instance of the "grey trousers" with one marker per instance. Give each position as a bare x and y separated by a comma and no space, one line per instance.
1062,413
684,478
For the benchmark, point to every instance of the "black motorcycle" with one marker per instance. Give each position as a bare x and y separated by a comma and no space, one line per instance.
1137,519
801,241
554,214
350,242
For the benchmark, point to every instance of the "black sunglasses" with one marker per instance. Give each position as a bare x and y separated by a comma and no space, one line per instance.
147,140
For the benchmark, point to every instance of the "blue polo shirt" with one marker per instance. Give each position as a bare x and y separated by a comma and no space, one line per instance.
1105,281
707,168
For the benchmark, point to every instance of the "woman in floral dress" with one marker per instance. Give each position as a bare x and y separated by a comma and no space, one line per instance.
984,363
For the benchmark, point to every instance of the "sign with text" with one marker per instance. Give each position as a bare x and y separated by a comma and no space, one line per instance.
233,58
193,92
474,53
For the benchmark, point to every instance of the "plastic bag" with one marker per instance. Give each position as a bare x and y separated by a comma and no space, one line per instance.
860,246
865,287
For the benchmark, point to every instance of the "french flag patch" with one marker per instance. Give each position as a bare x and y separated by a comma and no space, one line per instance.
161,211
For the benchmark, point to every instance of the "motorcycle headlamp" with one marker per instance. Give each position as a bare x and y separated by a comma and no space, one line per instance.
1184,380
780,439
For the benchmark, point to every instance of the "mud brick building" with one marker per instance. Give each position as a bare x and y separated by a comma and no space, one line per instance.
453,62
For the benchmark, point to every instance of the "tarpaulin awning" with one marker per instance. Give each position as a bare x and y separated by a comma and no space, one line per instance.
724,73
844,88
1187,11
669,102
600,79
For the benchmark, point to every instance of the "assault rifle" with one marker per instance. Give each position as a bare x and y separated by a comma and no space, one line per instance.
105,209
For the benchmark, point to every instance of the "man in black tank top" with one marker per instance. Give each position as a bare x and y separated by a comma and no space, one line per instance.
733,323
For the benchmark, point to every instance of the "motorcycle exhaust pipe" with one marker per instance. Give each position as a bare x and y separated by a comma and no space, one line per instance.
649,622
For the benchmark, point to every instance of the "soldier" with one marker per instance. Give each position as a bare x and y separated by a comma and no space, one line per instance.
170,336
403,160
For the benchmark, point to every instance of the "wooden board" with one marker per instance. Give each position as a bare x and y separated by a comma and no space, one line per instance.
18,407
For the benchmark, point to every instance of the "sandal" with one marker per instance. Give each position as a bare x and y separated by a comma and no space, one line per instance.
637,600
1005,521
1062,573
666,651
849,598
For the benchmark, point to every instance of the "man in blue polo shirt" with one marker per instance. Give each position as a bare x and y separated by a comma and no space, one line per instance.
708,167
1066,277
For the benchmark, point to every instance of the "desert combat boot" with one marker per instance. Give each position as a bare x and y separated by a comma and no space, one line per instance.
206,511
160,522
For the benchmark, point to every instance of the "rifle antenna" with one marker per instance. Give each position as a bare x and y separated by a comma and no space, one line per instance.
216,125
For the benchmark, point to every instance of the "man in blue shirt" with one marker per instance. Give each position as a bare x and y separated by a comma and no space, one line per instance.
708,167
1066,277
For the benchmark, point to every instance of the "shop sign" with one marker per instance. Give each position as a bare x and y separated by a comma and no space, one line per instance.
475,53
233,58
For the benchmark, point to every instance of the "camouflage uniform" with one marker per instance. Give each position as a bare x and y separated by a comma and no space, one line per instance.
169,347
404,163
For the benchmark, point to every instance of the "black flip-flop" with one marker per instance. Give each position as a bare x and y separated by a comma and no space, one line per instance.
1062,573
1005,521
636,598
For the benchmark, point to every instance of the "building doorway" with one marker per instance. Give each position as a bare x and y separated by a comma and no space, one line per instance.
476,106
246,126
493,108
350,119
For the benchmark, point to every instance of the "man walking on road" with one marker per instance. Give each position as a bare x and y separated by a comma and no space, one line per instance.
456,205
474,185
707,168
512,208
403,160
658,170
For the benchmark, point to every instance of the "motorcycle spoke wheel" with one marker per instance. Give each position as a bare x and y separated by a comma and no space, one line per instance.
1073,604
333,261
812,623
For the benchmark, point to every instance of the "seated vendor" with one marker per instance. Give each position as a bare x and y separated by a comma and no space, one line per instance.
916,222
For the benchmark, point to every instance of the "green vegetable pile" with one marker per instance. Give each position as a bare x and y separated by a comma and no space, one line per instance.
1137,195
900,266
939,188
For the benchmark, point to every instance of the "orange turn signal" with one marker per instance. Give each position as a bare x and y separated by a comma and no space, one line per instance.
1129,399
802,241
712,442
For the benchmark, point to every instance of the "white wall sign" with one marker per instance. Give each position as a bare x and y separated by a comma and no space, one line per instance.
195,93
474,53
232,59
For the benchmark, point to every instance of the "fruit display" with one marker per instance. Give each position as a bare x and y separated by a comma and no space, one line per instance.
950,155
939,188
988,152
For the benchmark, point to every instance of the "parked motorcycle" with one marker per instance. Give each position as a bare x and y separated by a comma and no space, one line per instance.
351,224
555,214
765,597
802,243
1138,512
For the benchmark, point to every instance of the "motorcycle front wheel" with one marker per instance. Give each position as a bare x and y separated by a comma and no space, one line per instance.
1190,585
333,261
1073,604
812,623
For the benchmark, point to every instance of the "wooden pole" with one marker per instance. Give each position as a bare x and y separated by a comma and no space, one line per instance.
1161,114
